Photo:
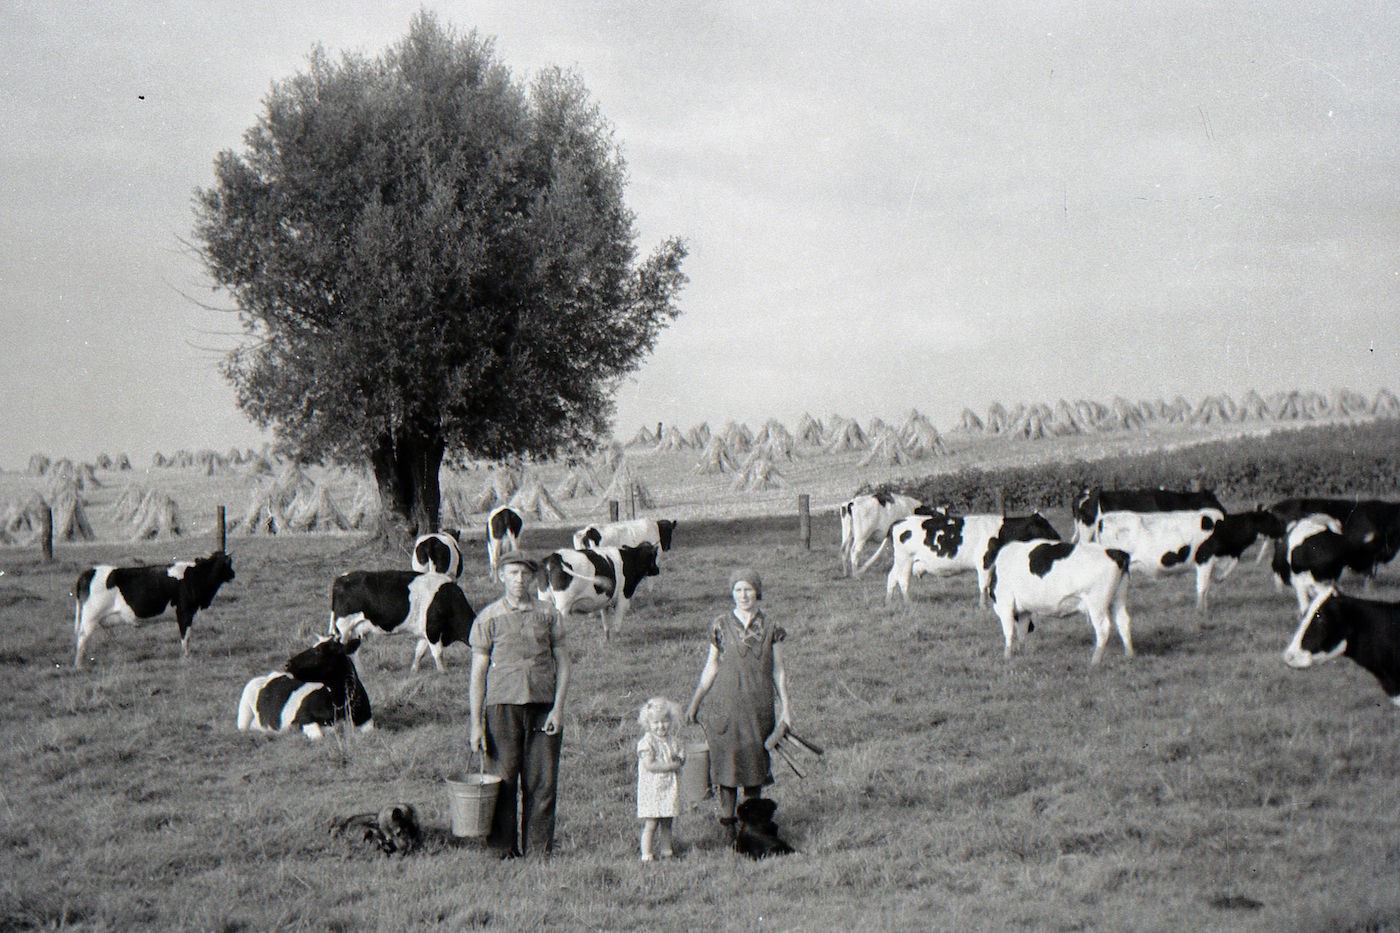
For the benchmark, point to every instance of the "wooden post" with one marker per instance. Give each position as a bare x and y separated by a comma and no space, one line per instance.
804,520
1000,503
222,529
658,430
46,542
612,510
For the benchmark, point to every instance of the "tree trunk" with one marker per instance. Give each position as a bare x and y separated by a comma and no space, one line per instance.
406,471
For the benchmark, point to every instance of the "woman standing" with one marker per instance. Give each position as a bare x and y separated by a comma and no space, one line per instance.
744,670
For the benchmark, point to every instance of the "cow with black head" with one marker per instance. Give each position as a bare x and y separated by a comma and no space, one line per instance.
106,593
317,688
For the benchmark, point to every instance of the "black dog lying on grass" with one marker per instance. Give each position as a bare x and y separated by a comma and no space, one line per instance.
758,834
392,831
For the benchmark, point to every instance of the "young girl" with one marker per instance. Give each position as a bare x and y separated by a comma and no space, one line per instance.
660,755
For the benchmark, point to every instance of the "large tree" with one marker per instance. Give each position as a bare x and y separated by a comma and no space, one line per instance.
431,260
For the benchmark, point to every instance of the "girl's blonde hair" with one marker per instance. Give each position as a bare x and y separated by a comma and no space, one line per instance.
659,708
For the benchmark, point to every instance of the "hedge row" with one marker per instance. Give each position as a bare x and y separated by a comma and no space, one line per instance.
1359,460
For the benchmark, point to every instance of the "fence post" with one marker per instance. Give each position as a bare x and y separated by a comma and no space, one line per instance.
46,542
658,430
222,529
612,510
1000,503
804,520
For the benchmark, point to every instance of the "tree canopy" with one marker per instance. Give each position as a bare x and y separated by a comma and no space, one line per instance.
431,259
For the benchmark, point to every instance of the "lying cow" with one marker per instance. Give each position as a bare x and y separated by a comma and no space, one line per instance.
597,580
439,552
1096,502
129,593
1365,630
1204,541
319,688
1060,578
626,534
866,518
1314,554
503,527
388,602
941,544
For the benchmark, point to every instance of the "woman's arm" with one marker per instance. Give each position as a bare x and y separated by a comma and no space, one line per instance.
707,680
780,683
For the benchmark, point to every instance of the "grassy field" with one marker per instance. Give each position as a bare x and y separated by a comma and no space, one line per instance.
1201,785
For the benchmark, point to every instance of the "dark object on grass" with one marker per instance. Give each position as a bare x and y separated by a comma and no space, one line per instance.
392,831
757,836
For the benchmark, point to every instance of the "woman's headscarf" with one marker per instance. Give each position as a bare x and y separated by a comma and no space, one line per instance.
749,576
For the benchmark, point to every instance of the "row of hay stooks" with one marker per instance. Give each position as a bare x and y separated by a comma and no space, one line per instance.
736,449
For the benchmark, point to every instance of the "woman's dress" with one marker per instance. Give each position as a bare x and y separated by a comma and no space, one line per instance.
740,701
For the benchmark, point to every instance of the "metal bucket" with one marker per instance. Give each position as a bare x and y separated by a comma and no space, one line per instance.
695,772
473,801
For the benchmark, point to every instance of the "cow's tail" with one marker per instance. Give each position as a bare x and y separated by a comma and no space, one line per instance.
884,542
563,567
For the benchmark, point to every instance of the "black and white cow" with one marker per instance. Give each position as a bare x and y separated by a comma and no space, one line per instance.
1370,526
1095,502
1060,578
388,602
866,518
631,533
318,688
597,579
941,543
1204,541
439,552
503,527
130,593
1314,553
1365,630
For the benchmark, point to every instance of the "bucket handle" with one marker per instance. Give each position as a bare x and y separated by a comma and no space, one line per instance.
481,762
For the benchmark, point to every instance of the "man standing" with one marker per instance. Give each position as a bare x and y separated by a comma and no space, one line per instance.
520,675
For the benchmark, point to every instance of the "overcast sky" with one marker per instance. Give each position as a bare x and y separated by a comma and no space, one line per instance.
887,205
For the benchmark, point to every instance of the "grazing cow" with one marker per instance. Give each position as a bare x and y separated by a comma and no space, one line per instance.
1365,630
1206,541
130,593
318,688
1371,527
1315,552
940,543
1060,578
503,527
600,579
429,605
626,534
1095,502
439,552
867,517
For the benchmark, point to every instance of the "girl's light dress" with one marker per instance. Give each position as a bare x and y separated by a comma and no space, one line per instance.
658,792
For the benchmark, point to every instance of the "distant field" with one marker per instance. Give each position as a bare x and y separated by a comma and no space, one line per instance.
1200,786
676,489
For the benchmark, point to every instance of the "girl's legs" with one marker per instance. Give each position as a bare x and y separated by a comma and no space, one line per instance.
648,833
665,837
